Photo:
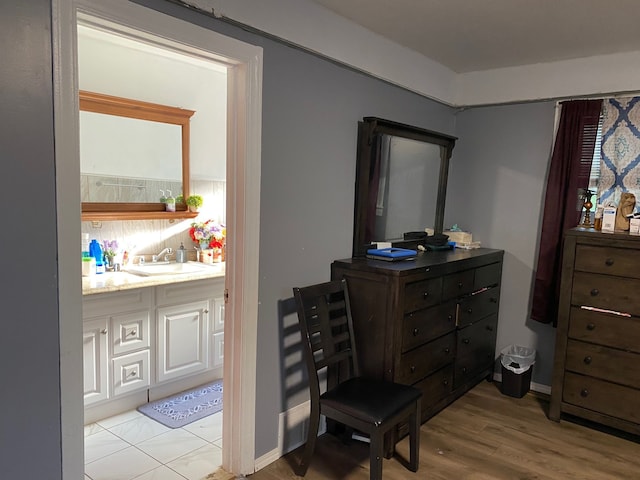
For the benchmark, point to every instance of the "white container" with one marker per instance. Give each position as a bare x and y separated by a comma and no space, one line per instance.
634,225
609,219
88,266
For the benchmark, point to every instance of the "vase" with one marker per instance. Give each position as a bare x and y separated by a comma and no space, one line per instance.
217,255
206,255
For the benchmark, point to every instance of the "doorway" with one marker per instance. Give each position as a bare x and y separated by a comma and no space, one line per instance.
244,63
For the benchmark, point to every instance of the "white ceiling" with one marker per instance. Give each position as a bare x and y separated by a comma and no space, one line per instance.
477,35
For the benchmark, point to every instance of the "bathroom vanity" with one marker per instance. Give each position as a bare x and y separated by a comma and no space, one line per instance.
146,337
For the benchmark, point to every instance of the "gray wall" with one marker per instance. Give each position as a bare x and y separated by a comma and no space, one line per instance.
29,348
310,111
496,191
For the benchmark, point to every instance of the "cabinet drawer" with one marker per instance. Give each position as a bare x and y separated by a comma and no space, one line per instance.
131,372
186,291
418,363
422,294
605,329
603,362
622,262
601,396
457,284
424,325
475,349
474,308
604,291
116,302
129,332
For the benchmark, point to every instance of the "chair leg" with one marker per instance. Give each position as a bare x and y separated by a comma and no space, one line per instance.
414,438
312,435
375,455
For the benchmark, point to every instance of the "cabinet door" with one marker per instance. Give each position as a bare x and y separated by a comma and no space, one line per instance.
183,339
95,367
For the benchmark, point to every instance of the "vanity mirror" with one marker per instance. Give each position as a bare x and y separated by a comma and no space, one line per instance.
401,181
129,151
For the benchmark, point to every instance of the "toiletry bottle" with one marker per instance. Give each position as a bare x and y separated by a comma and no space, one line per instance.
163,198
597,221
95,250
170,202
181,254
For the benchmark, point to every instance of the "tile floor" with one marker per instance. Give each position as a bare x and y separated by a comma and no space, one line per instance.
132,446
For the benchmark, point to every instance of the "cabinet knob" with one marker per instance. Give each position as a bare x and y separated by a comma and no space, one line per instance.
445,382
413,368
133,373
415,332
587,360
132,333
425,294
206,310
450,317
469,310
591,326
493,300
464,369
103,331
608,262
584,392
466,341
447,350
490,328
594,292
460,285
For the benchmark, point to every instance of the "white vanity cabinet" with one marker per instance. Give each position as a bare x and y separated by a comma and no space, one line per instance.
146,343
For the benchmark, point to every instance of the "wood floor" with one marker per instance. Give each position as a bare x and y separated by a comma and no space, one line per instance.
484,436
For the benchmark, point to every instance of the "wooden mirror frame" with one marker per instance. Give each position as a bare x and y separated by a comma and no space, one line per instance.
368,156
125,107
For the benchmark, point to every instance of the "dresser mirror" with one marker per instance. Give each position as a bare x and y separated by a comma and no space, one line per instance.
401,181
130,151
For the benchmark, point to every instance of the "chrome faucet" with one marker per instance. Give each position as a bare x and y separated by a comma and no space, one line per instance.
164,255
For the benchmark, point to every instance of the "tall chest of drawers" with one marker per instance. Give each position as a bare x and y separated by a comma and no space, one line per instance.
597,360
429,322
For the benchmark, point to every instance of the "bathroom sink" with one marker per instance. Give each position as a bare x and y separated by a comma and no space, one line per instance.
172,268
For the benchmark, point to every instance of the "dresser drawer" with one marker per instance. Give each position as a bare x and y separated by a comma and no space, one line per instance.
487,276
622,262
418,363
475,349
603,362
436,386
424,325
601,396
422,294
457,284
605,329
605,291
476,307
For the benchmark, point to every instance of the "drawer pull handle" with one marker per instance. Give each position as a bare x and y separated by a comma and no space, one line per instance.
584,392
591,326
466,341
445,382
493,300
594,292
413,368
490,328
103,331
450,317
447,350
460,285
608,262
133,373
425,294
132,333
415,332
464,369
587,360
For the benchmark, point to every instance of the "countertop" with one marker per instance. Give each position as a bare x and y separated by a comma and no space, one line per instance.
116,281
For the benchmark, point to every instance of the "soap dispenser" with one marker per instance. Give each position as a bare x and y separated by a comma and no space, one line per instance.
170,202
181,254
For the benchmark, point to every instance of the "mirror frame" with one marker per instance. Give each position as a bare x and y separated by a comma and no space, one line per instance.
125,107
369,150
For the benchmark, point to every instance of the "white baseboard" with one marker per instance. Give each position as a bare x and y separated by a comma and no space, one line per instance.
292,432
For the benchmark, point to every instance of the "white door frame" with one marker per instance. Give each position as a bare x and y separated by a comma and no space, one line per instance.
243,213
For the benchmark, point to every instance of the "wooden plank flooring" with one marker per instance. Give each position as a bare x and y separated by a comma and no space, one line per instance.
484,436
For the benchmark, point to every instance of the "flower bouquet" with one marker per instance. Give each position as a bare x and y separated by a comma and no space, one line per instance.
210,237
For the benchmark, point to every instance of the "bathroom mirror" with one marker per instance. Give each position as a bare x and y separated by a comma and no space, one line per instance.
129,151
401,181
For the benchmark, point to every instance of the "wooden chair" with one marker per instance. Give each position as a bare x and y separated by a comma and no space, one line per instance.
370,406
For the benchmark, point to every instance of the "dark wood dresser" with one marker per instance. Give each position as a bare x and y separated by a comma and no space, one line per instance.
597,361
429,322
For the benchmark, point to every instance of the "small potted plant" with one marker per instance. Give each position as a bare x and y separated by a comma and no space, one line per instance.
194,202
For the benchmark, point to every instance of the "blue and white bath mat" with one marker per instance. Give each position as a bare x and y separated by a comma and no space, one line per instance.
183,408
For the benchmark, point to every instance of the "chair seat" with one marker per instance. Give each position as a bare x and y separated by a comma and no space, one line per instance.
370,400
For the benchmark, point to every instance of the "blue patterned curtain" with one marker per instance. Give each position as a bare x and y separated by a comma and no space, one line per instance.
620,157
